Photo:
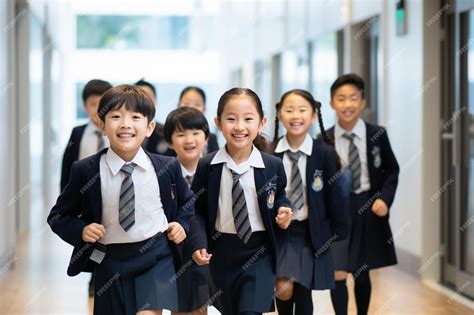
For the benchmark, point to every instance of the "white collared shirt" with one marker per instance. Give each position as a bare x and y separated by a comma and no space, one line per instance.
360,141
186,172
225,218
149,215
90,141
306,148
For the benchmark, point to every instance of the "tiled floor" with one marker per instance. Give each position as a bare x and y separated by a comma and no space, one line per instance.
36,283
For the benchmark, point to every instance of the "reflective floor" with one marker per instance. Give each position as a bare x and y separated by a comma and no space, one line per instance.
36,283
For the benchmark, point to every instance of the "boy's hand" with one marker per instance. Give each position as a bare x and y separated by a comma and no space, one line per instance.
176,232
93,232
201,257
380,208
283,219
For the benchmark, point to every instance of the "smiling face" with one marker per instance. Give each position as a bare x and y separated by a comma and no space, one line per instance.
192,99
126,131
188,144
240,124
348,102
297,115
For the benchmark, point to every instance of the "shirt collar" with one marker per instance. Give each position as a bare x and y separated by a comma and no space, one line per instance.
185,171
306,147
115,162
358,130
255,160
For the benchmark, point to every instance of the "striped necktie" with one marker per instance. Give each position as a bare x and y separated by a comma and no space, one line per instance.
127,198
189,179
239,209
354,161
296,192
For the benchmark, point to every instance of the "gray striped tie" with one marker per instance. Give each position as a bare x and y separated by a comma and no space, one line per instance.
354,161
127,198
239,209
189,179
296,192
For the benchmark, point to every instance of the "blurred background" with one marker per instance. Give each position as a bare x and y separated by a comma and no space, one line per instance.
416,57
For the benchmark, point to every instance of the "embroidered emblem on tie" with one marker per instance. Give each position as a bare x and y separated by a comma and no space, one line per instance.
239,209
296,192
127,198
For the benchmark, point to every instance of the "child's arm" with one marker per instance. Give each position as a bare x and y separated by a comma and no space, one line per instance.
68,159
282,204
198,232
390,171
64,217
335,199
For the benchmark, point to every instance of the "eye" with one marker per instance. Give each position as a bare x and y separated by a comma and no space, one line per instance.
136,117
249,118
196,133
115,116
230,119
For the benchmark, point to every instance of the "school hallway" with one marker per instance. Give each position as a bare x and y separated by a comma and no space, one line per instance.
416,58
36,283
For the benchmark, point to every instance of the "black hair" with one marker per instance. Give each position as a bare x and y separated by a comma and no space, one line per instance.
142,82
196,89
260,142
315,105
185,118
350,78
95,87
133,98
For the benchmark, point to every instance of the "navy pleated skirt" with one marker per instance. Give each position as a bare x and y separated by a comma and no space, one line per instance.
136,276
243,277
298,262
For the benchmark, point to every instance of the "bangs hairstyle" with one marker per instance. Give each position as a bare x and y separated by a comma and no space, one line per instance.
132,97
260,142
185,118
350,78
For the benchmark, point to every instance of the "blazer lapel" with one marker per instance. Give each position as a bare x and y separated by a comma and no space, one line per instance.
166,191
94,186
213,194
261,182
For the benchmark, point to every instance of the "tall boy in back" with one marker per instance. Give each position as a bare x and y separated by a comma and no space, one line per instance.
366,150
86,139
123,209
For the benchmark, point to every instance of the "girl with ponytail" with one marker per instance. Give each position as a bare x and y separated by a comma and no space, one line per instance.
315,189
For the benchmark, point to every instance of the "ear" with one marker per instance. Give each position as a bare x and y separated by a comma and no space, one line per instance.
263,122
332,105
363,103
102,126
150,128
217,123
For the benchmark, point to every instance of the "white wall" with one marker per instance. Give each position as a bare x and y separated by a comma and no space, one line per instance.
8,204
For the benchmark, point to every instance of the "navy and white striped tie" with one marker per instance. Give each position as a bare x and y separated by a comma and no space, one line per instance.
296,192
239,209
354,161
127,198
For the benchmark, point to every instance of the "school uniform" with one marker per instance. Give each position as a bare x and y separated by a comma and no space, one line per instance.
133,267
370,244
85,141
192,279
243,273
321,219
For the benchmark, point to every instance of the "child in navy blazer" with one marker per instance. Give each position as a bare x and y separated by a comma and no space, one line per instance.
123,210
241,209
319,205
366,151
87,139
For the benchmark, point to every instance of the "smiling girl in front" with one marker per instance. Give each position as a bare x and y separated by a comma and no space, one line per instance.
240,209
319,206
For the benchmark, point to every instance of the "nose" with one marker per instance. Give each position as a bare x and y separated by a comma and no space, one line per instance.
239,125
125,123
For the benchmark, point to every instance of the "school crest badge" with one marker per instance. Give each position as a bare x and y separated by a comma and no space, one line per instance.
317,180
377,157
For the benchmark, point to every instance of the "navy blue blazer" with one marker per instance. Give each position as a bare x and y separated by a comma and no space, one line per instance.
269,181
328,205
71,154
384,178
383,175
80,204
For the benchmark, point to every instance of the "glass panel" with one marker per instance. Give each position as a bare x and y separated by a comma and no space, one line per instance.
132,32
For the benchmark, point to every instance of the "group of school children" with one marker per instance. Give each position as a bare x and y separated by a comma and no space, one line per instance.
165,219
